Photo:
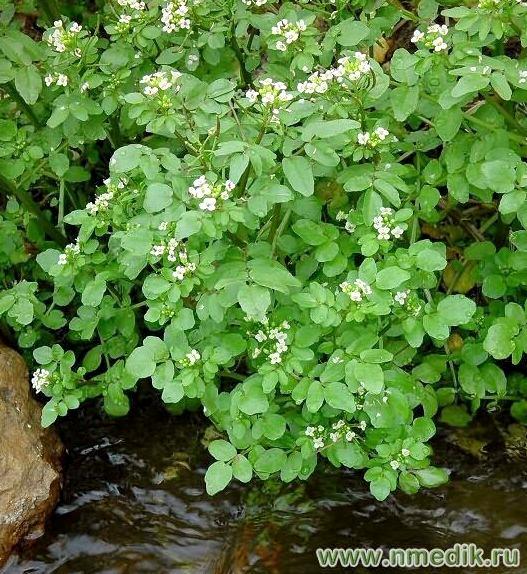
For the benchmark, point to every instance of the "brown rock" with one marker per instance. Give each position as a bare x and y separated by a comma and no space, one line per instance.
30,477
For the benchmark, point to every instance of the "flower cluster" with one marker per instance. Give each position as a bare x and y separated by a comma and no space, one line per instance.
339,430
62,39
523,77
433,38
273,95
289,32
396,462
372,140
136,9
410,302
209,194
351,68
175,252
190,359
58,79
384,224
401,296
160,82
41,378
356,290
69,253
317,83
174,16
102,201
272,341
348,226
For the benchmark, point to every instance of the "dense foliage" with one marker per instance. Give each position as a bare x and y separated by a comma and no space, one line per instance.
307,218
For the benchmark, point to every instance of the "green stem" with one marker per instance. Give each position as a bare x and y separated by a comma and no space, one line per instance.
25,199
279,231
21,103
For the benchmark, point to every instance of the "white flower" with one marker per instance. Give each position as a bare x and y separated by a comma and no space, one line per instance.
62,80
318,443
433,38
208,204
395,464
382,133
281,46
417,36
350,227
401,296
310,431
405,452
84,87
362,425
193,357
397,232
173,16
350,435
161,81
40,379
48,80
275,358
383,224
157,250
363,138
163,226
523,76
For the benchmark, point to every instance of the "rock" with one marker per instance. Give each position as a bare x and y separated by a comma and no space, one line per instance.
30,457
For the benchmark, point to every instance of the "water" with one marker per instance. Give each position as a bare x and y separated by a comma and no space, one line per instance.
134,502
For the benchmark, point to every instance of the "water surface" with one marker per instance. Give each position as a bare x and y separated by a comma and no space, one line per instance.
134,502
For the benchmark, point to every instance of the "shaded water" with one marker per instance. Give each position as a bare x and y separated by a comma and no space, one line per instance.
134,502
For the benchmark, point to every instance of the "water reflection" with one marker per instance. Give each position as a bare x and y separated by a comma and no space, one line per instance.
134,502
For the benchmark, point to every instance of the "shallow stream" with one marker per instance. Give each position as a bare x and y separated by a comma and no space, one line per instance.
134,502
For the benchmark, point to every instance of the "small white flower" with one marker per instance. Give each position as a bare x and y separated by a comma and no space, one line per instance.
318,443
208,204
401,296
40,379
395,464
405,452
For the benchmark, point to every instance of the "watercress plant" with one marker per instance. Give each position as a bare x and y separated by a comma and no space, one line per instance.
307,219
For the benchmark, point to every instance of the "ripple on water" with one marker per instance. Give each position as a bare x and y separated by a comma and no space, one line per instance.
134,505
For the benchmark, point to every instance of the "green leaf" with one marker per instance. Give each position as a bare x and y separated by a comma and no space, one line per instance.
158,196
380,488
270,273
391,277
315,396
499,340
310,232
217,477
140,363
339,397
93,292
456,310
28,83
299,174
432,476
352,32
270,461
222,450
370,375
242,468
469,84
254,300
